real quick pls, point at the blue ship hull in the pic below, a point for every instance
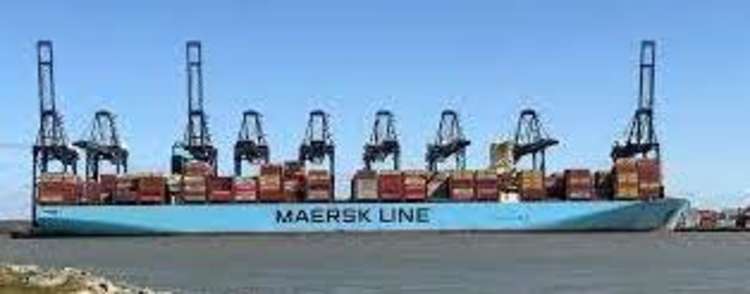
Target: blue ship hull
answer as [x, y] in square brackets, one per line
[358, 217]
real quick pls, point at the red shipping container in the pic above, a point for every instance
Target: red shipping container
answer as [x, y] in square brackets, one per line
[220, 189]
[245, 189]
[415, 185]
[151, 189]
[390, 186]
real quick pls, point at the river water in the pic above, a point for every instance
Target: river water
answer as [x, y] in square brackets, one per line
[411, 263]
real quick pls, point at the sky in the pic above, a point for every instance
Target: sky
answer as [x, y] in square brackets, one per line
[574, 61]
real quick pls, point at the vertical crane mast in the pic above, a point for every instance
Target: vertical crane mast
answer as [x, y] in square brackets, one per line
[197, 142]
[251, 145]
[383, 141]
[641, 136]
[450, 141]
[197, 129]
[51, 142]
[532, 139]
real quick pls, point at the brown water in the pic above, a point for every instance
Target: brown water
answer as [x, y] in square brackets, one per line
[413, 263]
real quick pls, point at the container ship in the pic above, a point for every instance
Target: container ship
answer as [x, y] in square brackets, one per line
[514, 193]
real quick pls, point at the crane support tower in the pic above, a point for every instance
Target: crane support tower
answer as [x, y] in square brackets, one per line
[51, 142]
[532, 139]
[383, 141]
[450, 141]
[196, 144]
[318, 144]
[641, 134]
[103, 144]
[251, 145]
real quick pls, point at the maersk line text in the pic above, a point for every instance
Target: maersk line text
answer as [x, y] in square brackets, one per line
[354, 215]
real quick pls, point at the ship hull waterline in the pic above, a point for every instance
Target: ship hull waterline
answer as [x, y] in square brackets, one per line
[267, 218]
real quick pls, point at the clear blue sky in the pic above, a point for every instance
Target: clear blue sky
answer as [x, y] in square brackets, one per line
[574, 60]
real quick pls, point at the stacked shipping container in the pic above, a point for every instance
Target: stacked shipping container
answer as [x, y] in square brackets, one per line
[245, 189]
[390, 186]
[649, 179]
[461, 185]
[487, 185]
[415, 185]
[270, 186]
[625, 179]
[57, 188]
[531, 185]
[365, 185]
[579, 184]
[319, 186]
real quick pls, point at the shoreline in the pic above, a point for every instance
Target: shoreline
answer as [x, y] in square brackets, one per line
[35, 279]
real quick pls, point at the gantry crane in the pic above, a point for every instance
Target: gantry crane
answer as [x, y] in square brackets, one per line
[196, 144]
[103, 144]
[251, 145]
[318, 144]
[532, 139]
[450, 141]
[51, 142]
[641, 135]
[383, 141]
